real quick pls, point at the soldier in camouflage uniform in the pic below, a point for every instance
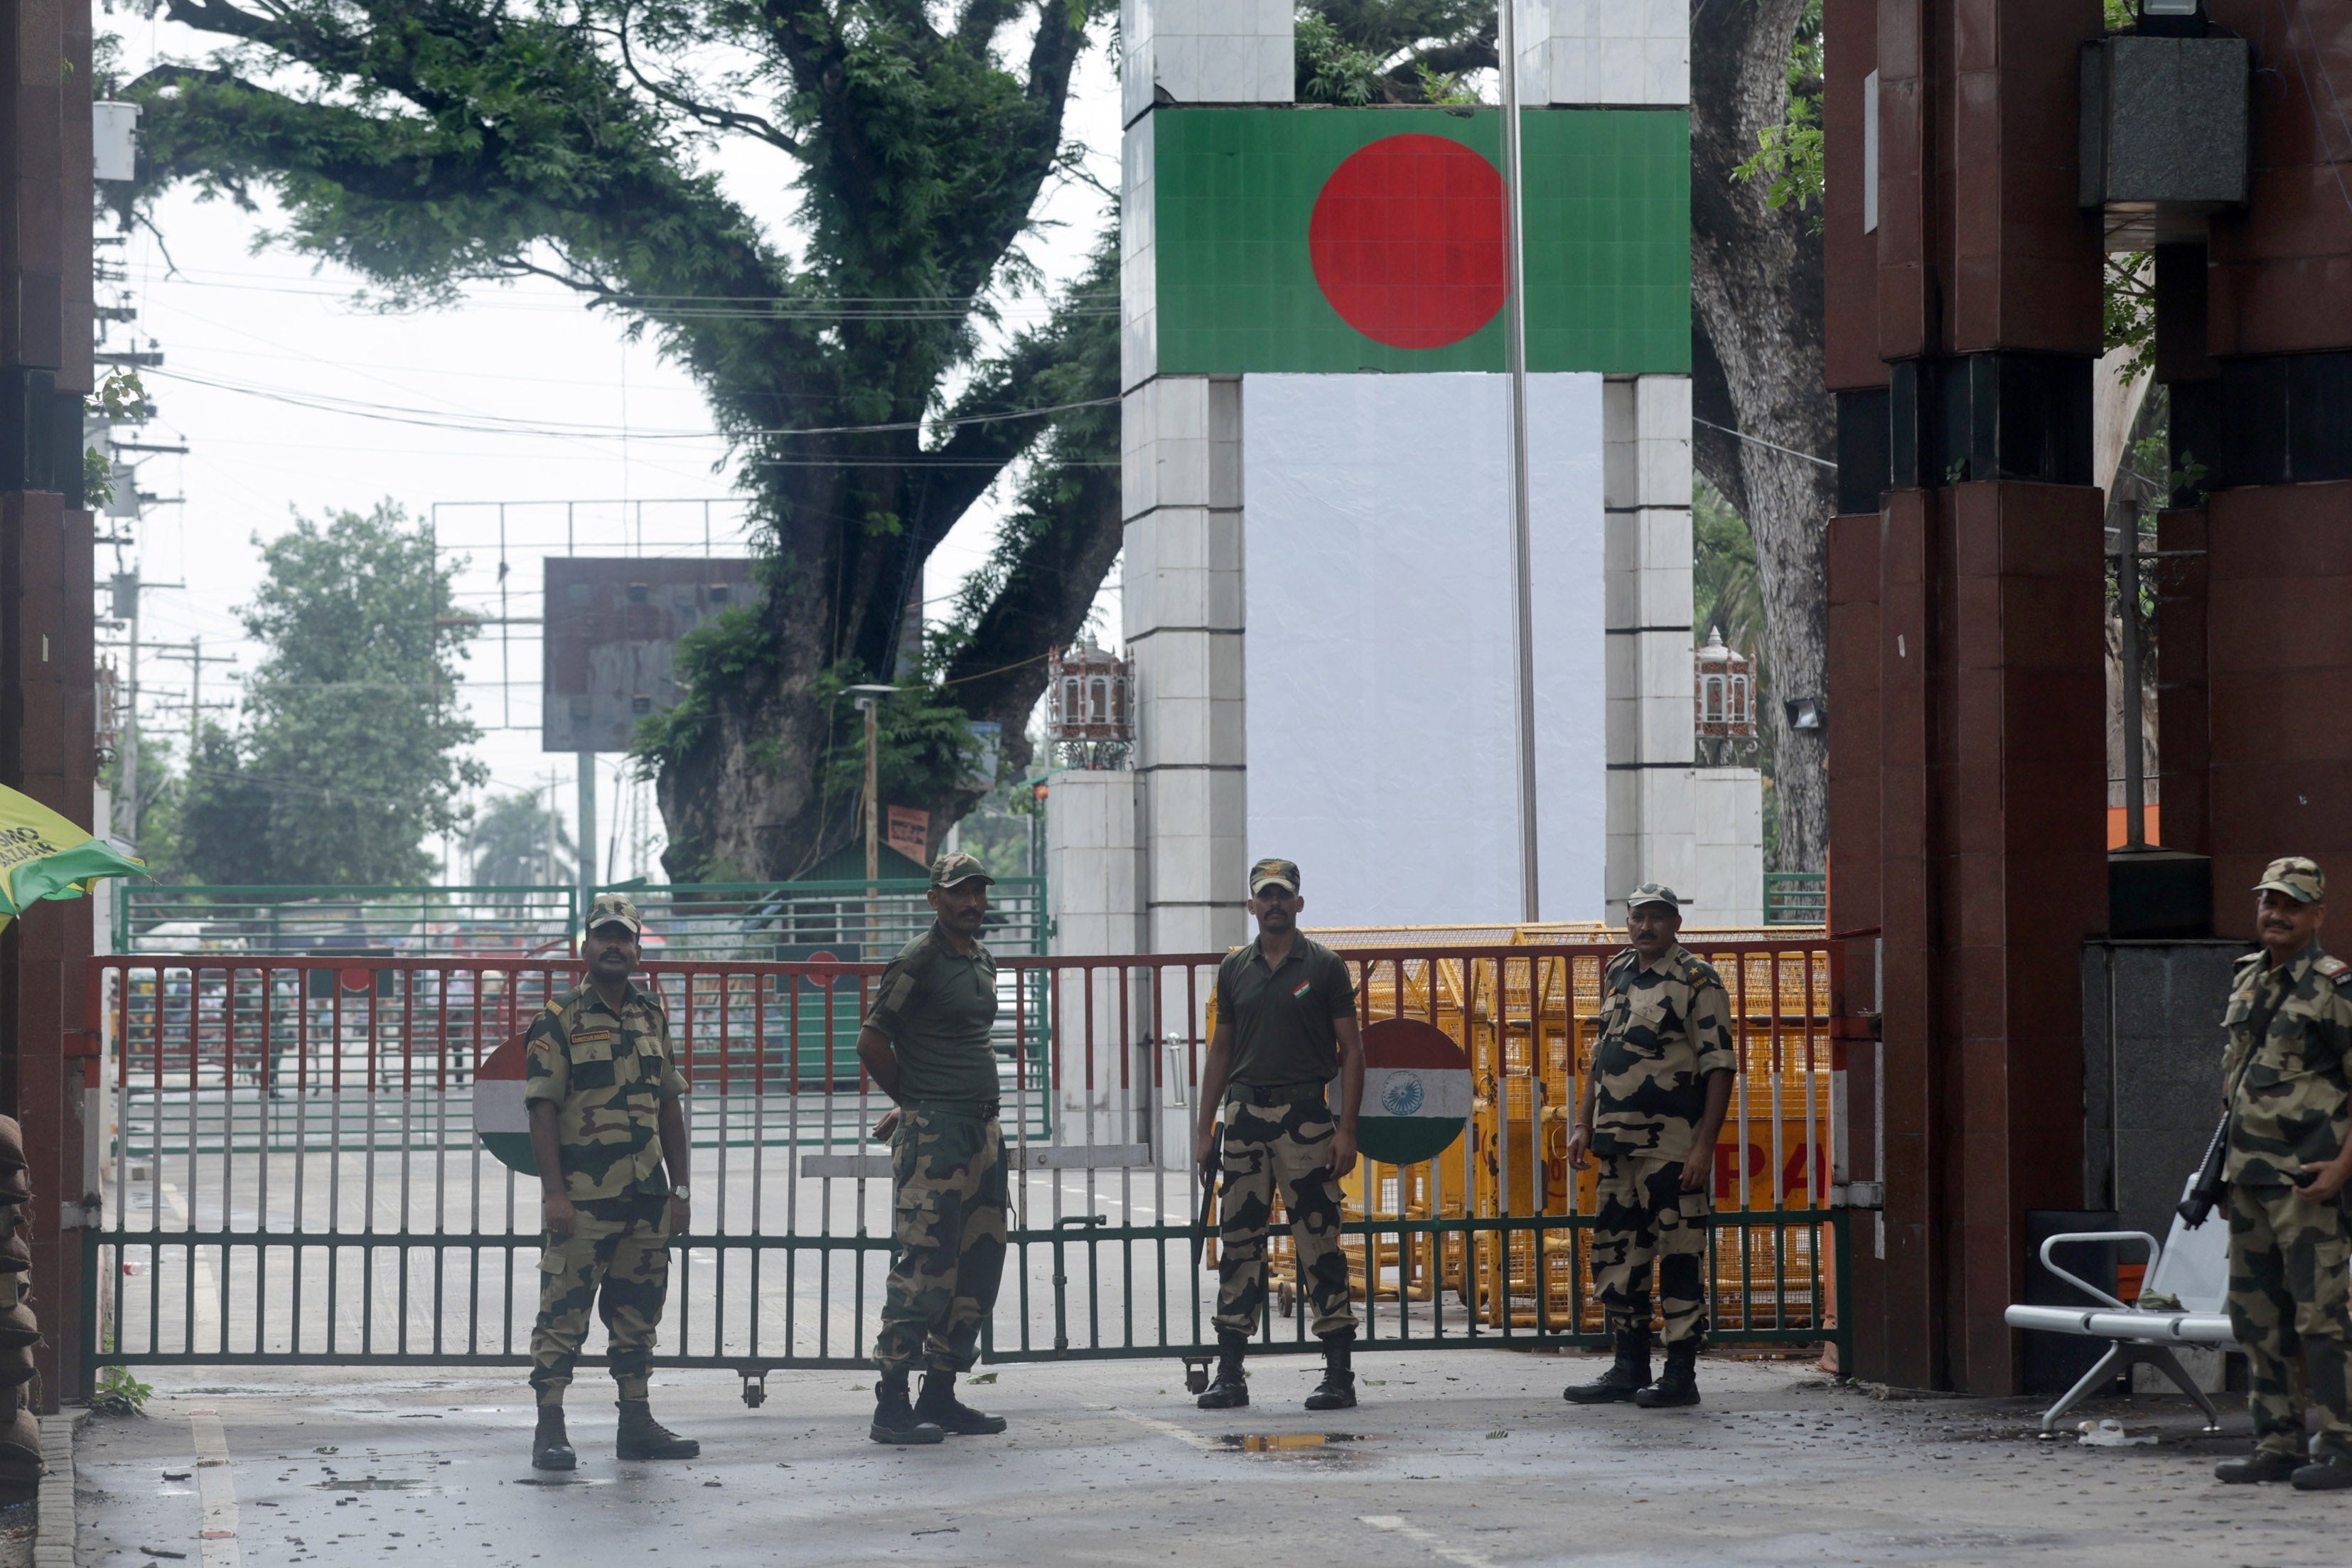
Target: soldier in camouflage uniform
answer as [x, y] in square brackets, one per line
[2290, 1025]
[926, 1043]
[1285, 1028]
[605, 1120]
[1653, 1101]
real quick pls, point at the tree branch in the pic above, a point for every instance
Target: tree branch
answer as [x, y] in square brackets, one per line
[717, 118]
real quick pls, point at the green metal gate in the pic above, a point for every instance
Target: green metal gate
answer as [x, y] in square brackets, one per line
[293, 1176]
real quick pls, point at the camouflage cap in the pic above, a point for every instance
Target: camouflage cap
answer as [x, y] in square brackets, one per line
[2297, 876]
[611, 909]
[1653, 893]
[1265, 874]
[948, 870]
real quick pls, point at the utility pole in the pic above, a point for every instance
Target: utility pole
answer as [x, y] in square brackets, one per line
[1515, 338]
[587, 858]
[870, 703]
[197, 658]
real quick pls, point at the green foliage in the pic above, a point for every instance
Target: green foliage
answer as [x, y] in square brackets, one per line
[1332, 70]
[1789, 157]
[2122, 14]
[1355, 52]
[2129, 309]
[518, 842]
[350, 752]
[922, 737]
[1726, 594]
[119, 1393]
[120, 398]
[1001, 831]
[711, 663]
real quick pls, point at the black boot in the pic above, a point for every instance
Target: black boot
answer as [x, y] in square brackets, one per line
[643, 1437]
[1228, 1390]
[550, 1448]
[1337, 1389]
[940, 1407]
[2328, 1472]
[2261, 1465]
[1678, 1384]
[894, 1416]
[1627, 1376]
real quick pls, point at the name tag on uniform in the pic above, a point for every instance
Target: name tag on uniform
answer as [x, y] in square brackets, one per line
[590, 1036]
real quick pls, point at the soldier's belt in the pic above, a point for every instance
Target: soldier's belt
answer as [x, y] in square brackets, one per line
[979, 1110]
[1279, 1094]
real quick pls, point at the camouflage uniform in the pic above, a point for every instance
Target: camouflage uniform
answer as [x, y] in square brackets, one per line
[949, 1187]
[2288, 1284]
[1663, 1029]
[608, 1074]
[1278, 1129]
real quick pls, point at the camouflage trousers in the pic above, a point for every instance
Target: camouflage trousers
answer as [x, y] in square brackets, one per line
[617, 1260]
[947, 1199]
[1644, 1219]
[2288, 1298]
[1267, 1145]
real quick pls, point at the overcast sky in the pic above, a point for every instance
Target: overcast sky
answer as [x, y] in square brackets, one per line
[293, 398]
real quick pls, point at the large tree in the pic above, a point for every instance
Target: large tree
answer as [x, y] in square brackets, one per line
[426, 144]
[352, 749]
[1757, 360]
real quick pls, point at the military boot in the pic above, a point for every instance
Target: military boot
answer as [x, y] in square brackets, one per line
[1678, 1384]
[1230, 1389]
[643, 1437]
[2261, 1465]
[894, 1416]
[940, 1407]
[1337, 1389]
[2328, 1472]
[550, 1448]
[1627, 1376]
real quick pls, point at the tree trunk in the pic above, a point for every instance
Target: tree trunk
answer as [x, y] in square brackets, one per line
[1757, 287]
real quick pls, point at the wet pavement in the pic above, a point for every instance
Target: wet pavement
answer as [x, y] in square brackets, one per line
[1464, 1457]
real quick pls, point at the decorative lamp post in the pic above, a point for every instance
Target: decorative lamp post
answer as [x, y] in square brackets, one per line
[1090, 707]
[1726, 705]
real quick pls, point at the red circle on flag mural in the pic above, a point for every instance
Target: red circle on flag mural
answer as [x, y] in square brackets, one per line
[1407, 241]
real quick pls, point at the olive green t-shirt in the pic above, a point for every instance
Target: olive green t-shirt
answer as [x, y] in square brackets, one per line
[938, 1006]
[1283, 1018]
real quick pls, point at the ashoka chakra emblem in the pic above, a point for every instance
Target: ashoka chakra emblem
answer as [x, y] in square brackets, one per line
[1404, 1095]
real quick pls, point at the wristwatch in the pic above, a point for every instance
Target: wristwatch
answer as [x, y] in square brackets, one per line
[681, 1194]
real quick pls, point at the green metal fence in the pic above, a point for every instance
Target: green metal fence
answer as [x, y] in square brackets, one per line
[1796, 898]
[293, 1173]
[779, 922]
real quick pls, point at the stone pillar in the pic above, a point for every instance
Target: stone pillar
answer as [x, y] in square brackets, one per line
[1182, 489]
[1635, 54]
[1651, 720]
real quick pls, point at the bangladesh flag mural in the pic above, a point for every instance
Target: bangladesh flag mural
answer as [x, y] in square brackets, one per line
[1337, 241]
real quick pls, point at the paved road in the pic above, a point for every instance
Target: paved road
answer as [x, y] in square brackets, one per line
[1467, 1458]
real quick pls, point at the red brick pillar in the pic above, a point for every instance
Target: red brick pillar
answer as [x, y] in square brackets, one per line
[46, 712]
[1967, 750]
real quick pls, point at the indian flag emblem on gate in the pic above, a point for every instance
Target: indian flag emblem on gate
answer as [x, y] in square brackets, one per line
[1416, 1092]
[500, 1120]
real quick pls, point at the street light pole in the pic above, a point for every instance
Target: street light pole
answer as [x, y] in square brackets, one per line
[1515, 338]
[870, 703]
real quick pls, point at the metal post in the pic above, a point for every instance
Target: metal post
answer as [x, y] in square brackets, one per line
[130, 813]
[1523, 633]
[2127, 615]
[873, 800]
[195, 697]
[586, 860]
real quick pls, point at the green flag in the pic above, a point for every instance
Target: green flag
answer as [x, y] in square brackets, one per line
[44, 856]
[1319, 240]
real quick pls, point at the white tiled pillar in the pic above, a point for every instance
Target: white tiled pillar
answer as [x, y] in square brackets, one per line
[1605, 53]
[1727, 852]
[1094, 868]
[1181, 487]
[1646, 551]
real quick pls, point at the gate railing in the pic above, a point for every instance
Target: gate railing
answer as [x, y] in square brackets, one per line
[717, 921]
[293, 1173]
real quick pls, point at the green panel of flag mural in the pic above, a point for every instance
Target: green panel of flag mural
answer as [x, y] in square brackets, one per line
[1371, 239]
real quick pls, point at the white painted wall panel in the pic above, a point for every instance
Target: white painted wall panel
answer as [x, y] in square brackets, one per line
[1379, 720]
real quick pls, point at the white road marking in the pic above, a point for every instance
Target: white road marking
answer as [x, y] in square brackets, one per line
[1167, 1429]
[216, 1492]
[1430, 1539]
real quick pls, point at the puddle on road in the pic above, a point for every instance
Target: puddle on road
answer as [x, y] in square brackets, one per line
[563, 1480]
[368, 1484]
[1295, 1445]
